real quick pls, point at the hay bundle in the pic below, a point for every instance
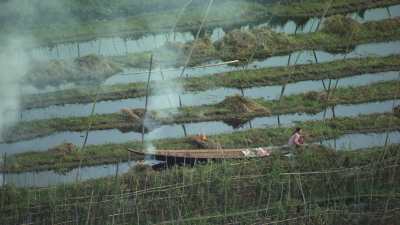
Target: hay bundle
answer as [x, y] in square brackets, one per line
[203, 142]
[239, 104]
[268, 39]
[63, 149]
[82, 70]
[315, 96]
[54, 73]
[95, 64]
[203, 49]
[396, 111]
[237, 45]
[132, 115]
[341, 25]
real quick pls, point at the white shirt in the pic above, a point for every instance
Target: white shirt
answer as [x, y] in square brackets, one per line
[294, 139]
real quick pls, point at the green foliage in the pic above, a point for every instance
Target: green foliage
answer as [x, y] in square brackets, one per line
[341, 26]
[234, 108]
[329, 187]
[236, 79]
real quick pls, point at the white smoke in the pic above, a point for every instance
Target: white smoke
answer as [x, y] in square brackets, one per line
[165, 101]
[14, 64]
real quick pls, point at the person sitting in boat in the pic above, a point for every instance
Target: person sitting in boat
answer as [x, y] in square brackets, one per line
[296, 139]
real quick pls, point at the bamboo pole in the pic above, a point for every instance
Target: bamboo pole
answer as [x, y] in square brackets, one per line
[324, 14]
[194, 67]
[88, 129]
[391, 119]
[78, 49]
[197, 37]
[90, 207]
[4, 167]
[147, 96]
[173, 30]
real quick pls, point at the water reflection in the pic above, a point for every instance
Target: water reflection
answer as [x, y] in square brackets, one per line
[360, 141]
[47, 178]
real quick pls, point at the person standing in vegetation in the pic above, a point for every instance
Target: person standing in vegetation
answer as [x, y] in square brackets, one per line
[296, 139]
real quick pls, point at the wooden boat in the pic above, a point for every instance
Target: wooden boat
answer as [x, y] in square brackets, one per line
[193, 155]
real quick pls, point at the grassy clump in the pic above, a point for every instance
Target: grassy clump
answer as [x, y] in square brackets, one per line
[135, 60]
[243, 45]
[63, 149]
[178, 53]
[341, 26]
[132, 115]
[203, 50]
[238, 104]
[39, 128]
[269, 40]
[339, 35]
[237, 43]
[82, 70]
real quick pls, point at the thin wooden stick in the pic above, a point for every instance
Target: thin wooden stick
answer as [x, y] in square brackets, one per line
[197, 37]
[4, 168]
[147, 96]
[90, 207]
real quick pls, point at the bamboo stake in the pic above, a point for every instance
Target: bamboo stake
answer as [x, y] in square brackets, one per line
[391, 118]
[179, 17]
[194, 67]
[88, 129]
[4, 168]
[78, 49]
[388, 12]
[99, 48]
[90, 206]
[147, 96]
[324, 14]
[197, 37]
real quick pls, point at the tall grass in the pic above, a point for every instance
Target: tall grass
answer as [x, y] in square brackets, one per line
[315, 186]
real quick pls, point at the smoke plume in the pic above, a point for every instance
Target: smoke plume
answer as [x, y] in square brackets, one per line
[14, 65]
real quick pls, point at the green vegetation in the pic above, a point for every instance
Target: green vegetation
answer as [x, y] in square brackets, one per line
[69, 21]
[82, 70]
[310, 102]
[311, 185]
[262, 42]
[39, 128]
[234, 108]
[134, 60]
[316, 186]
[242, 45]
[237, 79]
[291, 74]
[341, 25]
[113, 153]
